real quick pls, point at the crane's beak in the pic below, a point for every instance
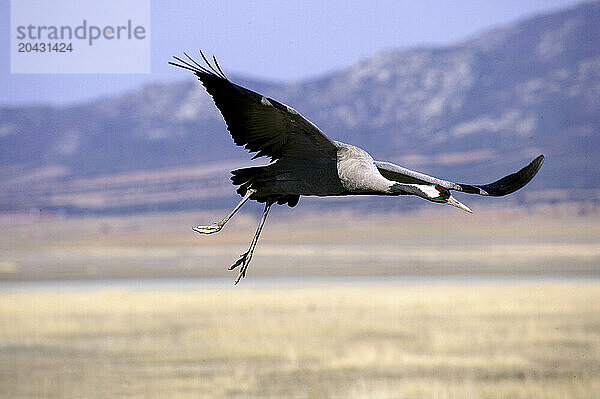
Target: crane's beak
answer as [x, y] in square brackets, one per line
[454, 202]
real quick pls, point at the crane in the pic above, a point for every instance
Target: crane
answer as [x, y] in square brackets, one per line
[304, 161]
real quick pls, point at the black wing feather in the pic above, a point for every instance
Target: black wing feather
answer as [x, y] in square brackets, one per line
[508, 184]
[258, 123]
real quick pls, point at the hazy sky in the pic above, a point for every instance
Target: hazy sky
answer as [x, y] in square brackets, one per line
[276, 40]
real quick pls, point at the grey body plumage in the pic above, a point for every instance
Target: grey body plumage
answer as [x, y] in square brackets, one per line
[307, 162]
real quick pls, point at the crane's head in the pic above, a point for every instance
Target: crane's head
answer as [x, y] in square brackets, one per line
[442, 195]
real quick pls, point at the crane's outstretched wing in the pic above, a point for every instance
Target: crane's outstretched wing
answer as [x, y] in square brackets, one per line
[258, 123]
[506, 185]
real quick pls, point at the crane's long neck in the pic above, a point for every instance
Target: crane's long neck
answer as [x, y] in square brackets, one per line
[359, 175]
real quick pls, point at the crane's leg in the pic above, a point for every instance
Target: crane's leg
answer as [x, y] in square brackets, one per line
[216, 226]
[245, 258]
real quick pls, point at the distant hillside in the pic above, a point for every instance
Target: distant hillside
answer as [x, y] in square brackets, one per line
[470, 112]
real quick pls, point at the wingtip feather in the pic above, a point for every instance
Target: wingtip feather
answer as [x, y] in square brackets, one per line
[508, 184]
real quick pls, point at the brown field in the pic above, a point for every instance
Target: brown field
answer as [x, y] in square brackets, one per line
[558, 240]
[430, 338]
[526, 340]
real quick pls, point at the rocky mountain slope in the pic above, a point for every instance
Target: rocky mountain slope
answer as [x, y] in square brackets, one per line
[470, 112]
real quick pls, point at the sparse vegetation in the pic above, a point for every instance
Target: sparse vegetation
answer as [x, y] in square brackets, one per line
[531, 340]
[539, 338]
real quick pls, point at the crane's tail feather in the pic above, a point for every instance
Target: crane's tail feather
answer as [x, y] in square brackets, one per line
[246, 177]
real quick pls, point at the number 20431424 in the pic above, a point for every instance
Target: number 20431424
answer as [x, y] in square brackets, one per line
[43, 47]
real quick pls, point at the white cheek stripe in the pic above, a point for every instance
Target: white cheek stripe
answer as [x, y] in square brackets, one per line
[422, 190]
[431, 192]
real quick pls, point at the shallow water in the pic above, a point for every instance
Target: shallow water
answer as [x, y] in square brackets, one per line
[183, 283]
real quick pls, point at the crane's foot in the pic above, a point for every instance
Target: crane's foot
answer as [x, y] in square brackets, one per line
[243, 261]
[213, 228]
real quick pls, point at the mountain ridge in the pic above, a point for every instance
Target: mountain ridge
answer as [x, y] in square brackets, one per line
[472, 112]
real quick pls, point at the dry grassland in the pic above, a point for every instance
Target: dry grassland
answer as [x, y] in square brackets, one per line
[450, 340]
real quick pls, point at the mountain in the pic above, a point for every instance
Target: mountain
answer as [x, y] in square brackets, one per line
[471, 112]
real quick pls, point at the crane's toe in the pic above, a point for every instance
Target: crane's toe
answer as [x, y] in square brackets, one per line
[243, 261]
[213, 228]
